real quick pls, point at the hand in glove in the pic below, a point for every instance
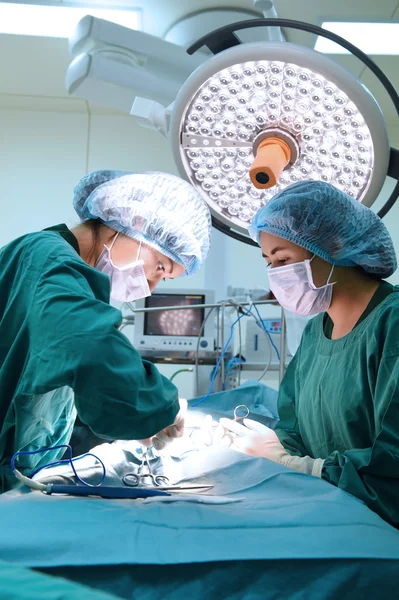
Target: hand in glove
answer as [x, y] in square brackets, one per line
[258, 440]
[167, 435]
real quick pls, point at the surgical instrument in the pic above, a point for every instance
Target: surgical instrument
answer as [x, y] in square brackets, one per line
[241, 407]
[167, 488]
[242, 417]
[136, 479]
[160, 482]
[103, 491]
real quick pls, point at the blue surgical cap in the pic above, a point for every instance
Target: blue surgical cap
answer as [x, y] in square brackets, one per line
[330, 224]
[158, 209]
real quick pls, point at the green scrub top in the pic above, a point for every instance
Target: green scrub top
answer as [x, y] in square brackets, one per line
[61, 352]
[339, 400]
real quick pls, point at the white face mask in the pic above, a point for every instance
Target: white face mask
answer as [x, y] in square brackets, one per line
[128, 283]
[294, 289]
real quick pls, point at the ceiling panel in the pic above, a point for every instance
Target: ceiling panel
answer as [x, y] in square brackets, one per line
[158, 15]
[317, 11]
[344, 9]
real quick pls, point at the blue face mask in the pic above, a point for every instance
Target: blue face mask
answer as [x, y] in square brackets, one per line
[295, 290]
[128, 283]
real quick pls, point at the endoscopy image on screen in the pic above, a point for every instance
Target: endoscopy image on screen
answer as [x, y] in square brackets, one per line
[185, 323]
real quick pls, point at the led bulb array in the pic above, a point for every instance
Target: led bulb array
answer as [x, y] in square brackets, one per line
[237, 103]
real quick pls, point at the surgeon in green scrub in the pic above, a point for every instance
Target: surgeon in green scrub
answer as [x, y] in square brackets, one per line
[61, 353]
[328, 255]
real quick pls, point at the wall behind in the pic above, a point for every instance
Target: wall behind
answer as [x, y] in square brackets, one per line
[44, 154]
[392, 218]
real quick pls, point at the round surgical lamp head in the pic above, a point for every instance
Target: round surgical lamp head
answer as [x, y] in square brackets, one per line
[258, 117]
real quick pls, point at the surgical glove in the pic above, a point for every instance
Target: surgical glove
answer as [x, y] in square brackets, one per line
[176, 430]
[258, 440]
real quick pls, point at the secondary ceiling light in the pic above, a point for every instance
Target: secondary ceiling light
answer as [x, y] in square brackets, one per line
[57, 21]
[371, 38]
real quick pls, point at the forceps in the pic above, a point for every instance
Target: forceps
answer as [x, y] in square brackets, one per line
[241, 407]
[216, 432]
[136, 479]
[236, 415]
[158, 481]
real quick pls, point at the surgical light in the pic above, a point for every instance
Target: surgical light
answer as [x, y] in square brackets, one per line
[258, 117]
[302, 118]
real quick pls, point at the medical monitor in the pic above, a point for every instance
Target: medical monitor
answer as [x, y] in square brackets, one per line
[174, 330]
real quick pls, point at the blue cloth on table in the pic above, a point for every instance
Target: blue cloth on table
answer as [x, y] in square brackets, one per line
[17, 583]
[260, 399]
[333, 579]
[284, 515]
[327, 539]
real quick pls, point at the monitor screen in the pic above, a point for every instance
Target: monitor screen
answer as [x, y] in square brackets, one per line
[185, 323]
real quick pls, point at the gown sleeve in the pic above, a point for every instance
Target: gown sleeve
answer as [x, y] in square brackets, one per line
[372, 474]
[74, 341]
[287, 428]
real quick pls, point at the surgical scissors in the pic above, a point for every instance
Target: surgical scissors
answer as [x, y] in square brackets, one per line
[136, 479]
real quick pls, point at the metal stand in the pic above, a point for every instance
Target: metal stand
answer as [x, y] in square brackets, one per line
[221, 308]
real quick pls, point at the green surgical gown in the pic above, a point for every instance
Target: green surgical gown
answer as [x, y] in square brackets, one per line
[339, 400]
[61, 352]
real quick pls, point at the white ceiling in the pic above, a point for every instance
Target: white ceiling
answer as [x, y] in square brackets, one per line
[32, 69]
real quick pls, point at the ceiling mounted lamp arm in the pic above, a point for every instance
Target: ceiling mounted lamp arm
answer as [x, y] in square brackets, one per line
[225, 37]
[112, 64]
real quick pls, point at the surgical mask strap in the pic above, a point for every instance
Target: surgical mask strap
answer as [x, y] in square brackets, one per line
[331, 272]
[113, 242]
[330, 275]
[138, 254]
